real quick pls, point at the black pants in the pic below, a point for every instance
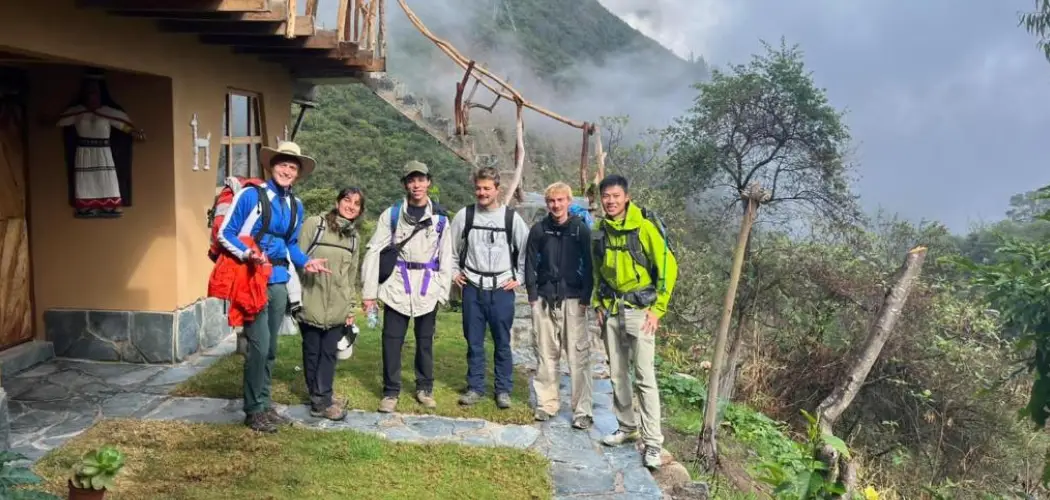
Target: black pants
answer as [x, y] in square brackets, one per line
[395, 327]
[319, 348]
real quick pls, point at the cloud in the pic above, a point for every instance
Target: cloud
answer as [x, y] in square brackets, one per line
[947, 104]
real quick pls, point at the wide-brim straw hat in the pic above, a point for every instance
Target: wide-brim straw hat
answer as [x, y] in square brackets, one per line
[288, 148]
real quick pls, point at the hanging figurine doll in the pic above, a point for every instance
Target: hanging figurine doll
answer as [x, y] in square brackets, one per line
[98, 136]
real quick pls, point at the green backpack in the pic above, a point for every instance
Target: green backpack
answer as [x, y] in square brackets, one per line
[634, 246]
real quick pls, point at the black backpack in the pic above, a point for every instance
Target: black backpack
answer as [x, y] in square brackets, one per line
[508, 228]
[634, 246]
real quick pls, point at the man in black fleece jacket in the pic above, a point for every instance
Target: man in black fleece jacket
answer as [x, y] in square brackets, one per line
[559, 280]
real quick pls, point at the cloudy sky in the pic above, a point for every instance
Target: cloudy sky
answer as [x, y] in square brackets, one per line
[948, 101]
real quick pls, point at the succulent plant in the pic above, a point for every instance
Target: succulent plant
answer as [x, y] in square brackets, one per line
[98, 468]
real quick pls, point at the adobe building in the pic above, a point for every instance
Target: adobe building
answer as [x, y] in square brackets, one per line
[119, 120]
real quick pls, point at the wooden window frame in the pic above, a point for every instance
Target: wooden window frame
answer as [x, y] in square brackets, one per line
[255, 139]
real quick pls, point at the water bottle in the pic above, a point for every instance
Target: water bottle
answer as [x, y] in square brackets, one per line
[373, 317]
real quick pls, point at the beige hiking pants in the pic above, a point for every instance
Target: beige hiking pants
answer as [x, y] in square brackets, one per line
[557, 328]
[627, 345]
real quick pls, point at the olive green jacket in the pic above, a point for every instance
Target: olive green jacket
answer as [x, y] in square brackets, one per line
[329, 298]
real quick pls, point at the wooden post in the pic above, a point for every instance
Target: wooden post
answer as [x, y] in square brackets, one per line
[707, 449]
[311, 9]
[584, 154]
[342, 20]
[289, 29]
[519, 156]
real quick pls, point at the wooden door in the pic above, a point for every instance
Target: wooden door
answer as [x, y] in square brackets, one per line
[16, 310]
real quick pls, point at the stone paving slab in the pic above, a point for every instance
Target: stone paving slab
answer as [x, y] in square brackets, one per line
[53, 402]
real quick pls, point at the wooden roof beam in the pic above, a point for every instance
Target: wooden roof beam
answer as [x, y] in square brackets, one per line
[304, 26]
[320, 40]
[179, 5]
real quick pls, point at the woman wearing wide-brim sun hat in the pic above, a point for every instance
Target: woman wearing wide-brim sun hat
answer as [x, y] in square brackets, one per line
[278, 248]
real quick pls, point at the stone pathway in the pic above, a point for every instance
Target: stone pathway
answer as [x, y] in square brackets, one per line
[53, 402]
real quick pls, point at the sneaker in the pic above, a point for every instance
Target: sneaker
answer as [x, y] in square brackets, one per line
[259, 423]
[469, 398]
[541, 416]
[620, 437]
[651, 458]
[388, 404]
[583, 422]
[276, 418]
[503, 400]
[426, 399]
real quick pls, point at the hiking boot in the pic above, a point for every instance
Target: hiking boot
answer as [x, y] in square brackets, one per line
[583, 422]
[388, 404]
[469, 398]
[620, 437]
[426, 399]
[651, 458]
[503, 400]
[259, 423]
[335, 411]
[541, 416]
[276, 418]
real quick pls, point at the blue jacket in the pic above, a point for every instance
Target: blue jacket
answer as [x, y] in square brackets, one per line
[245, 218]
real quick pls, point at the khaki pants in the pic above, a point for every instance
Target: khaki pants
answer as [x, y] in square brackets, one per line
[564, 326]
[627, 345]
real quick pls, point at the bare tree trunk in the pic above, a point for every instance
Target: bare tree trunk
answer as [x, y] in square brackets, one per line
[707, 449]
[519, 158]
[842, 396]
[748, 296]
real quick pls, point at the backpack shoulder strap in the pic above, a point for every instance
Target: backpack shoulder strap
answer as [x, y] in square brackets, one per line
[294, 202]
[467, 226]
[508, 227]
[264, 209]
[395, 212]
[318, 233]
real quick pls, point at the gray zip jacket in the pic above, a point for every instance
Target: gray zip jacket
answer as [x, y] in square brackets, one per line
[487, 251]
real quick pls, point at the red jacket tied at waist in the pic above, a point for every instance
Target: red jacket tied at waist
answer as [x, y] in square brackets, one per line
[243, 284]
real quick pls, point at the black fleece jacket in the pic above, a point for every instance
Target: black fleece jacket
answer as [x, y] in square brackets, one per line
[558, 260]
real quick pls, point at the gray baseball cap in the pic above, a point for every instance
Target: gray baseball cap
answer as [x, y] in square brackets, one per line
[414, 167]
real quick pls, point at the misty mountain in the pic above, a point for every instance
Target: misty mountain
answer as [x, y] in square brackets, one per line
[575, 58]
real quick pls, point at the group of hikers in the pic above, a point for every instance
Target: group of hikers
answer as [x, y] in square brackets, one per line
[622, 268]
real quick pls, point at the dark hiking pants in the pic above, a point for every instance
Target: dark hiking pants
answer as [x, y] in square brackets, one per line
[319, 359]
[395, 327]
[494, 309]
[262, 349]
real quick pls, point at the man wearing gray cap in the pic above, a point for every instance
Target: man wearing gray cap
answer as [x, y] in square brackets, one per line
[408, 268]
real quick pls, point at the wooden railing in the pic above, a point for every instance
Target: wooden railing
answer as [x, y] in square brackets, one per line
[358, 21]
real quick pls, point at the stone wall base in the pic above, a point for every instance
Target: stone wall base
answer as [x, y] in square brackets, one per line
[137, 336]
[5, 422]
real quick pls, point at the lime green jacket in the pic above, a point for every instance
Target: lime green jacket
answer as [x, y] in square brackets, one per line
[621, 271]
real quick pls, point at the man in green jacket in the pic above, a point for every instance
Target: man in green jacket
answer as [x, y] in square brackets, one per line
[634, 275]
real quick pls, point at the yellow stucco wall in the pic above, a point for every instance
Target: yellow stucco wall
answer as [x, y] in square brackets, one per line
[153, 258]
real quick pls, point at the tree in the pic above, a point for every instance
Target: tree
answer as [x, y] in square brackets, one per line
[1037, 22]
[764, 122]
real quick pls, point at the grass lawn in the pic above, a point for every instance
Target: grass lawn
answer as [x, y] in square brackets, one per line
[171, 460]
[360, 378]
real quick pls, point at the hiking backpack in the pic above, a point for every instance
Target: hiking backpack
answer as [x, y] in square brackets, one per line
[634, 246]
[582, 212]
[222, 205]
[508, 228]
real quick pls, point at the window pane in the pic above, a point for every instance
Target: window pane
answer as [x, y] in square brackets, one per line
[255, 152]
[255, 127]
[224, 166]
[239, 103]
[226, 115]
[240, 160]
